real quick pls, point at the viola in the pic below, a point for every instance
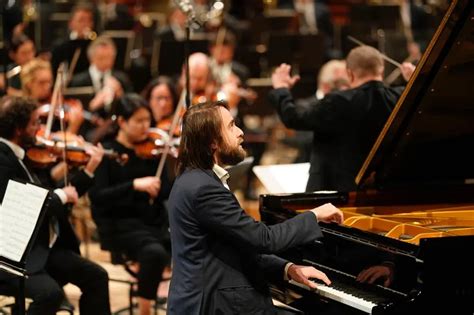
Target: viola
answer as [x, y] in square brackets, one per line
[47, 152]
[155, 143]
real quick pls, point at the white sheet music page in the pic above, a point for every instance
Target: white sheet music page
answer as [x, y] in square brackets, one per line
[19, 214]
[283, 178]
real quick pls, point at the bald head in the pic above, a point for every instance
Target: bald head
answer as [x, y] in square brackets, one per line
[198, 72]
[332, 76]
[365, 62]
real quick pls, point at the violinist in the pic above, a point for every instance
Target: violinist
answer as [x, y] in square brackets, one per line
[128, 223]
[107, 82]
[37, 79]
[202, 85]
[55, 258]
[161, 95]
[21, 50]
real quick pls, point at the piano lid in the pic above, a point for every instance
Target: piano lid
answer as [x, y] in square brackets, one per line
[428, 140]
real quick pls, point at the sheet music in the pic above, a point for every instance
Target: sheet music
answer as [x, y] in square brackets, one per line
[283, 178]
[19, 214]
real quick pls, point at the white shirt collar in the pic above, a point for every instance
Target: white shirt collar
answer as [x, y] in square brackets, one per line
[222, 174]
[95, 76]
[17, 150]
[319, 94]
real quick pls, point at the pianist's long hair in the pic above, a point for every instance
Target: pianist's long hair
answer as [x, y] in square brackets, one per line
[201, 128]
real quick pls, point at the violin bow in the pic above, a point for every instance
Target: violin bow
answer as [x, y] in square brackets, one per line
[73, 65]
[166, 149]
[54, 101]
[61, 124]
[220, 37]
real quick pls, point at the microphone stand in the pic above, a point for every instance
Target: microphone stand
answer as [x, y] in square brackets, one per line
[187, 98]
[187, 101]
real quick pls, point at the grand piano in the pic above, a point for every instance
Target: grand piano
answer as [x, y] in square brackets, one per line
[406, 245]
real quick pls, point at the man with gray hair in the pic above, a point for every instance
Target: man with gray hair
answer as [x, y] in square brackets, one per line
[106, 82]
[345, 123]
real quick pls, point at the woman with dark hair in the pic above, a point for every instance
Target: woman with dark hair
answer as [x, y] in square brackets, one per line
[162, 97]
[21, 51]
[127, 201]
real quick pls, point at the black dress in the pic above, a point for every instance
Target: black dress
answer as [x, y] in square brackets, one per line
[126, 219]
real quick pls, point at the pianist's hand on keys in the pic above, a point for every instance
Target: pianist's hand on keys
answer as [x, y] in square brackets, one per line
[302, 274]
[327, 213]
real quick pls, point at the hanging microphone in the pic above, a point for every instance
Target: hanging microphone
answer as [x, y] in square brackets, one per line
[216, 10]
[186, 7]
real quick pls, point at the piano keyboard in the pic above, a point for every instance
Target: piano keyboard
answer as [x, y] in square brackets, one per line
[346, 290]
[340, 296]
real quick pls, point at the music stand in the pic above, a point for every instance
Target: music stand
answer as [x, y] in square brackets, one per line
[170, 54]
[83, 93]
[124, 41]
[366, 19]
[17, 267]
[310, 53]
[281, 48]
[281, 19]
[260, 106]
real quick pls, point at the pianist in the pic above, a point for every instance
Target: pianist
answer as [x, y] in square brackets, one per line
[221, 261]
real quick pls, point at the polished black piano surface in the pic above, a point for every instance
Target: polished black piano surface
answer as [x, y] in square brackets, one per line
[407, 241]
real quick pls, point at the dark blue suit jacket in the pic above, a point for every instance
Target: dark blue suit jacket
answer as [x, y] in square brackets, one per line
[221, 261]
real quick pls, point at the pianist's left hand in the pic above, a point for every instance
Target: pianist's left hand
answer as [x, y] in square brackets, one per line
[302, 274]
[378, 273]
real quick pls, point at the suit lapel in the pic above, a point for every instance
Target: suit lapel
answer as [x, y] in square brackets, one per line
[20, 170]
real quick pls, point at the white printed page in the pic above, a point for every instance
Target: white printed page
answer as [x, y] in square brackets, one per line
[19, 214]
[283, 178]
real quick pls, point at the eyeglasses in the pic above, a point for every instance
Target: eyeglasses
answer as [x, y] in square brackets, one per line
[162, 98]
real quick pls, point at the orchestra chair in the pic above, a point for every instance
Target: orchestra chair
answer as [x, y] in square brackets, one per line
[120, 258]
[8, 300]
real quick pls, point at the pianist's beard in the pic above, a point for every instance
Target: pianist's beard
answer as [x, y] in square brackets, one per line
[229, 155]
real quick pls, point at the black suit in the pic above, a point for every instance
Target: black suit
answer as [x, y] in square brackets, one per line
[345, 126]
[50, 268]
[221, 261]
[84, 79]
[322, 14]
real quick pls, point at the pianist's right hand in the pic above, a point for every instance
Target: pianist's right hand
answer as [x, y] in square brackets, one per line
[327, 213]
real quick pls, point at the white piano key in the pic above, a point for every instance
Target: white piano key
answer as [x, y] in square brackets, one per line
[340, 296]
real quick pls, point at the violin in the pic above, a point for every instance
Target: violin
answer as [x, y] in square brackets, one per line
[155, 144]
[203, 97]
[47, 152]
[165, 125]
[70, 106]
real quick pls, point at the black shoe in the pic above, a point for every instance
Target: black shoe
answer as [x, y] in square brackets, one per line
[66, 306]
